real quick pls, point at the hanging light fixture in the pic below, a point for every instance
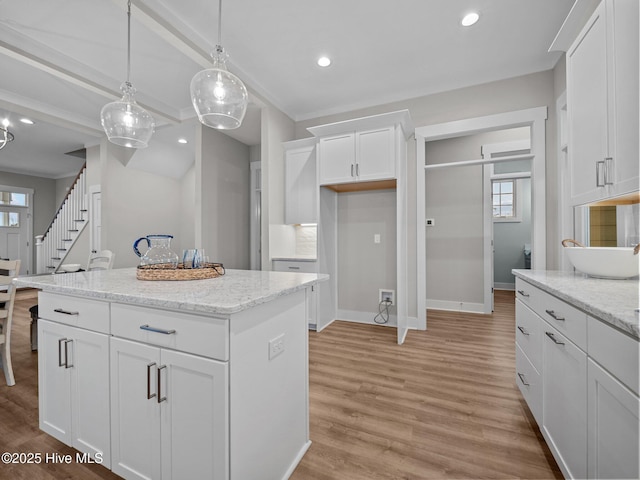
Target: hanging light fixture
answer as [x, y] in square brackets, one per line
[218, 96]
[5, 135]
[124, 121]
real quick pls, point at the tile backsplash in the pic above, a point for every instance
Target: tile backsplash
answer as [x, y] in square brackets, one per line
[306, 240]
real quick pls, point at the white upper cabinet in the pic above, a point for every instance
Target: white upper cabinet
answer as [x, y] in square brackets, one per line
[362, 150]
[602, 104]
[301, 194]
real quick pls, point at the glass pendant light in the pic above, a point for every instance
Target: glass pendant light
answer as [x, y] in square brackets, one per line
[5, 135]
[124, 121]
[218, 96]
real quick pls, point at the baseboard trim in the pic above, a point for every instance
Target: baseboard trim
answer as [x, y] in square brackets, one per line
[454, 306]
[504, 286]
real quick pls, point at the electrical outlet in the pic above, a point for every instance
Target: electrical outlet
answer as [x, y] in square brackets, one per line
[276, 346]
[387, 295]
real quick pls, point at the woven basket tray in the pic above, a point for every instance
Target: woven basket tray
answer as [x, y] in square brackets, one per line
[166, 272]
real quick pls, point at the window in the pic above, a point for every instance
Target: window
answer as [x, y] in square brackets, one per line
[13, 198]
[503, 196]
[10, 219]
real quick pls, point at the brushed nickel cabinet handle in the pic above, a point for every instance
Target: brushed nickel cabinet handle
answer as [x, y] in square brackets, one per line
[160, 397]
[65, 312]
[352, 169]
[552, 337]
[357, 169]
[149, 394]
[294, 268]
[60, 362]
[523, 379]
[608, 174]
[554, 315]
[524, 332]
[157, 330]
[599, 175]
[66, 354]
[523, 293]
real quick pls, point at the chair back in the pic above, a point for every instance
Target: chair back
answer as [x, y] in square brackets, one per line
[9, 269]
[102, 260]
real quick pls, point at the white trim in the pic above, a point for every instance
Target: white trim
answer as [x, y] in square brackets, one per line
[479, 161]
[453, 306]
[532, 117]
[366, 317]
[504, 286]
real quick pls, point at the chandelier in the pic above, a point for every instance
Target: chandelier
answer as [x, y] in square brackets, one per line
[5, 135]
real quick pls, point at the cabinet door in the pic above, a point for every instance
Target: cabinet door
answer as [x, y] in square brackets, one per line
[624, 129]
[375, 155]
[300, 186]
[564, 406]
[194, 417]
[90, 425]
[587, 110]
[612, 427]
[54, 381]
[135, 418]
[337, 158]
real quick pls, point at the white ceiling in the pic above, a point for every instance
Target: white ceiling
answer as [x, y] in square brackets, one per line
[60, 62]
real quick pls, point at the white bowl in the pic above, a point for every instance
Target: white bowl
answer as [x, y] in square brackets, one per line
[605, 262]
[70, 267]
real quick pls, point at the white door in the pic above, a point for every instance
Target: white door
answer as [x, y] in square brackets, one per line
[15, 235]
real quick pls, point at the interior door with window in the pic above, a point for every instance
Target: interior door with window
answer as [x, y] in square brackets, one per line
[15, 228]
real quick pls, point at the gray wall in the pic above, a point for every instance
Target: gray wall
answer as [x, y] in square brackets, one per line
[222, 180]
[364, 267]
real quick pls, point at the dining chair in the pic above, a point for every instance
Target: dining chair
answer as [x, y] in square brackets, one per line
[102, 260]
[11, 269]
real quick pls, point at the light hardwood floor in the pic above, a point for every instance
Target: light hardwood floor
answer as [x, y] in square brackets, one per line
[444, 405]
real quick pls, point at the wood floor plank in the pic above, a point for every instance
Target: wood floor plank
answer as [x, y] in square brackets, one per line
[444, 405]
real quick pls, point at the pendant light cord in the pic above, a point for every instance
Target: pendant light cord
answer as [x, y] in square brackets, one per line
[128, 41]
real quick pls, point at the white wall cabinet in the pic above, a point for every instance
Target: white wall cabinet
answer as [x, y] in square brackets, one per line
[602, 104]
[169, 413]
[73, 387]
[588, 385]
[367, 155]
[301, 191]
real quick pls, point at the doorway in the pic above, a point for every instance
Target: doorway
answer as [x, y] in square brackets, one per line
[534, 118]
[16, 225]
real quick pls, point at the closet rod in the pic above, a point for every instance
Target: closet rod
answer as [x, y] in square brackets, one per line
[480, 161]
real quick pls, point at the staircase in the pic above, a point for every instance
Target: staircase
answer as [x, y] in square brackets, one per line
[69, 221]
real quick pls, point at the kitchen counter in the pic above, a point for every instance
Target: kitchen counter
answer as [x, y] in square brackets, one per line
[231, 293]
[614, 302]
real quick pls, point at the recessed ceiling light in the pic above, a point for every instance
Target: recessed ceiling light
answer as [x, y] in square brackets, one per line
[27, 121]
[182, 140]
[324, 61]
[469, 19]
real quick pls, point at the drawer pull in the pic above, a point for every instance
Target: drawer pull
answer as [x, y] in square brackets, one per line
[149, 394]
[294, 268]
[523, 293]
[66, 312]
[523, 379]
[160, 397]
[553, 315]
[552, 337]
[524, 332]
[157, 330]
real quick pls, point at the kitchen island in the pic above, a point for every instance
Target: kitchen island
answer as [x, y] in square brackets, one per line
[176, 379]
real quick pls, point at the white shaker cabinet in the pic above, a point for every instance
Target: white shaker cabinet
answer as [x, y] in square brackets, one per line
[73, 387]
[301, 190]
[602, 104]
[169, 413]
[367, 155]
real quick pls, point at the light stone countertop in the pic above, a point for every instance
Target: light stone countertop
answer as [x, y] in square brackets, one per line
[615, 302]
[233, 292]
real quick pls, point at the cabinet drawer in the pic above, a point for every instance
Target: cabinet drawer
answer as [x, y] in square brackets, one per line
[528, 334]
[293, 266]
[206, 336]
[570, 321]
[76, 311]
[529, 382]
[526, 293]
[615, 351]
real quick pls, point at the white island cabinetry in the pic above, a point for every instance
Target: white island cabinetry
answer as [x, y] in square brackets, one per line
[175, 381]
